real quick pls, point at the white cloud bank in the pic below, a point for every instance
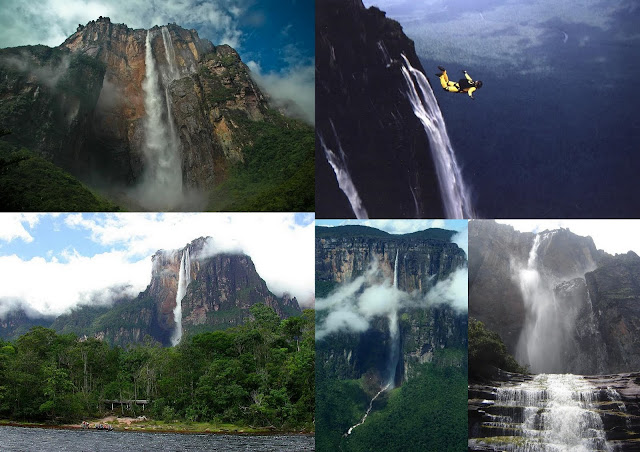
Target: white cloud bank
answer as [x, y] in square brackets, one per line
[353, 305]
[292, 89]
[281, 249]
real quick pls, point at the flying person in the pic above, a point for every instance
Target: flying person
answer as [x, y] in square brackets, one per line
[464, 85]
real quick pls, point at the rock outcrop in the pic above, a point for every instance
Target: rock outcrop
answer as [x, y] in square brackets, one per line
[424, 258]
[363, 111]
[596, 295]
[81, 104]
[615, 398]
[222, 288]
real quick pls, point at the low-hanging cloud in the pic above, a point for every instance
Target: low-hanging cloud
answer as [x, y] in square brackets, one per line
[291, 89]
[53, 287]
[353, 305]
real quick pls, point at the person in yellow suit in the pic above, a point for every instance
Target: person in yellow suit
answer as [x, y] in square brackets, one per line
[464, 85]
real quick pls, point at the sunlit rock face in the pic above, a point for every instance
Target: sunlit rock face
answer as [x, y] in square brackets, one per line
[83, 105]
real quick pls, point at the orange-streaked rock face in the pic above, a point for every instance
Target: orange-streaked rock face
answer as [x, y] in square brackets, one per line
[207, 87]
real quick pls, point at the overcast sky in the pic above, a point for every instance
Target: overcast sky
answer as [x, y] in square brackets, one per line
[52, 262]
[275, 38]
[612, 236]
[513, 35]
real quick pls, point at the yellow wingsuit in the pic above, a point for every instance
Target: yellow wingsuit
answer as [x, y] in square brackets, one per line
[465, 85]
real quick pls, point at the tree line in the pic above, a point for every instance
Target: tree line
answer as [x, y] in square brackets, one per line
[259, 374]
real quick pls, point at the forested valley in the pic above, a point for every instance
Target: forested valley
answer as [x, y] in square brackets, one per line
[259, 374]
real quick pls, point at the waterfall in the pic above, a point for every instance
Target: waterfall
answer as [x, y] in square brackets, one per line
[544, 333]
[550, 413]
[162, 182]
[394, 337]
[338, 162]
[173, 72]
[364, 418]
[184, 278]
[455, 196]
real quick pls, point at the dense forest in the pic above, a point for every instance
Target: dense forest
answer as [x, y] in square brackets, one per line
[487, 353]
[258, 374]
[433, 402]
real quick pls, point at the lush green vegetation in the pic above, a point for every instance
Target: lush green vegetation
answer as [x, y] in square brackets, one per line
[260, 374]
[487, 351]
[31, 183]
[278, 172]
[426, 413]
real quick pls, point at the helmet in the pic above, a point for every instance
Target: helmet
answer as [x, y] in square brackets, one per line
[479, 84]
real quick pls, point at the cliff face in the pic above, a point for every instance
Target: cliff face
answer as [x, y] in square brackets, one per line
[344, 253]
[615, 294]
[82, 104]
[595, 295]
[364, 112]
[347, 252]
[221, 288]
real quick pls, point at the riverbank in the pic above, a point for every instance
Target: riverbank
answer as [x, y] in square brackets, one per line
[143, 424]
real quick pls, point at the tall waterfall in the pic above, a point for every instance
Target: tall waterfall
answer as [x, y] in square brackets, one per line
[184, 278]
[455, 195]
[550, 413]
[162, 182]
[338, 162]
[545, 332]
[394, 337]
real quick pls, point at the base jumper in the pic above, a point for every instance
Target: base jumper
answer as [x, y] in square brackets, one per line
[464, 85]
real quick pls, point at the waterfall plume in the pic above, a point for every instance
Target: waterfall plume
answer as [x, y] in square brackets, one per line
[394, 337]
[162, 181]
[544, 334]
[455, 196]
[184, 278]
[338, 161]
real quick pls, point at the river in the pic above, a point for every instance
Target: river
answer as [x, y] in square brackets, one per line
[52, 440]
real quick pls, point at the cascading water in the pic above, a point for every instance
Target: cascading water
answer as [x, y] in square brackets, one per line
[455, 196]
[184, 278]
[364, 418]
[338, 162]
[162, 182]
[394, 337]
[549, 413]
[544, 333]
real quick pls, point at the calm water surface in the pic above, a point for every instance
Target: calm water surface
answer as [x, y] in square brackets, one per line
[37, 439]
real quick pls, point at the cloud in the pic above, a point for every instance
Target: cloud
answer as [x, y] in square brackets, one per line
[281, 249]
[116, 260]
[14, 226]
[352, 306]
[50, 22]
[52, 287]
[291, 88]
